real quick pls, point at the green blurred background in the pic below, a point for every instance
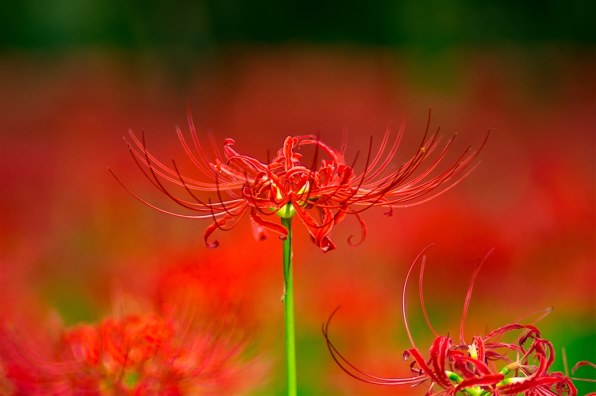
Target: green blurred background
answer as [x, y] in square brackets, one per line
[188, 32]
[201, 26]
[76, 74]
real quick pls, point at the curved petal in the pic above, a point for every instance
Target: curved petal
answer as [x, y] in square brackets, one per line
[268, 225]
[222, 225]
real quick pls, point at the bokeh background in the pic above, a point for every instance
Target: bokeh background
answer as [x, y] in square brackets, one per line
[75, 76]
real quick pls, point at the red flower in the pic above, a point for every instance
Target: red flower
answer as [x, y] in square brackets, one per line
[480, 367]
[321, 195]
[148, 354]
[180, 347]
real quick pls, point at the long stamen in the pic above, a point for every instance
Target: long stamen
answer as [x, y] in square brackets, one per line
[421, 295]
[147, 203]
[208, 165]
[469, 296]
[354, 372]
[403, 294]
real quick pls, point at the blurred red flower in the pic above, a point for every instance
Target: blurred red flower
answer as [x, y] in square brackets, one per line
[148, 354]
[190, 340]
[287, 186]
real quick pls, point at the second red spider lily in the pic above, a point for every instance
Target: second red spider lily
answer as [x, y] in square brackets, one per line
[321, 193]
[483, 366]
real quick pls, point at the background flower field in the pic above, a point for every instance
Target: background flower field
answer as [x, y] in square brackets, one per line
[73, 243]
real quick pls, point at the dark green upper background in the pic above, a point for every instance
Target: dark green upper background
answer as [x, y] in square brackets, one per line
[429, 25]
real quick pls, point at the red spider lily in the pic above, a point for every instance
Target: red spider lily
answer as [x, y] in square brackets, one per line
[321, 196]
[135, 355]
[142, 354]
[485, 366]
[147, 353]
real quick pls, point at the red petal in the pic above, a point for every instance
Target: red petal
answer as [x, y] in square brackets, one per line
[263, 224]
[220, 224]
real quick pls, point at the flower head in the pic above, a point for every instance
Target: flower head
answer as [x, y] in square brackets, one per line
[189, 340]
[137, 354]
[321, 193]
[485, 365]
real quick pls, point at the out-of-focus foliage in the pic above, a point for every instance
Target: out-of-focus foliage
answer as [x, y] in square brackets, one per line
[200, 25]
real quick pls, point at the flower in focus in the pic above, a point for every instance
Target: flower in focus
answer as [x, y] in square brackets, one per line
[321, 193]
[485, 365]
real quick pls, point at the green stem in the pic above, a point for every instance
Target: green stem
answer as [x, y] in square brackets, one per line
[288, 300]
